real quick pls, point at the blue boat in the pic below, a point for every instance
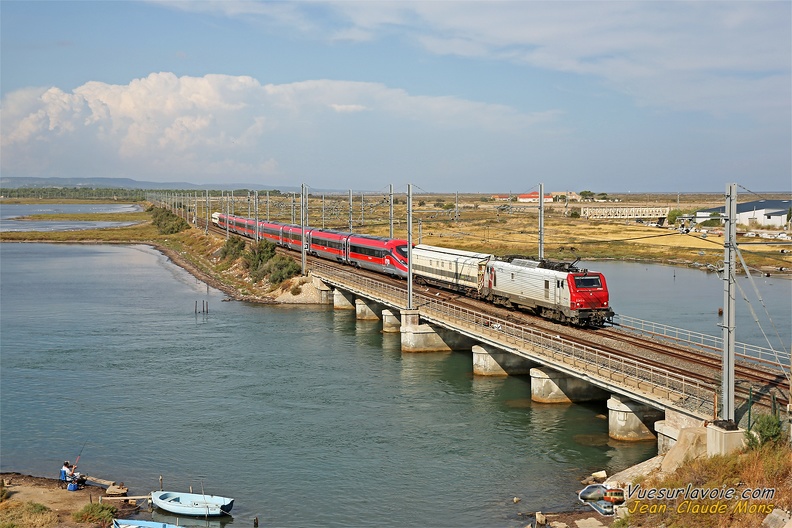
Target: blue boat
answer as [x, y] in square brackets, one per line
[134, 523]
[196, 504]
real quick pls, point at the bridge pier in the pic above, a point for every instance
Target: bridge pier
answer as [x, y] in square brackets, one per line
[391, 322]
[325, 292]
[490, 361]
[367, 310]
[417, 337]
[343, 300]
[551, 386]
[669, 429]
[631, 421]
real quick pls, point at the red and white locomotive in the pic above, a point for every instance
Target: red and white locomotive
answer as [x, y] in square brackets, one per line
[383, 255]
[557, 291]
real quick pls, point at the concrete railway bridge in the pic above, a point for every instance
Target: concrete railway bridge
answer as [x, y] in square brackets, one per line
[644, 402]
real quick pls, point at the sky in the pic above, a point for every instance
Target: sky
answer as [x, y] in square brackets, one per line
[450, 96]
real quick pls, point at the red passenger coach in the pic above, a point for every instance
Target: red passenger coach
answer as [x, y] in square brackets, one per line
[383, 255]
[328, 244]
[292, 237]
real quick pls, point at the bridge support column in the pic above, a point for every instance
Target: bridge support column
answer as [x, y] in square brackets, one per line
[551, 386]
[631, 421]
[391, 323]
[325, 292]
[669, 429]
[489, 361]
[366, 311]
[343, 300]
[416, 337]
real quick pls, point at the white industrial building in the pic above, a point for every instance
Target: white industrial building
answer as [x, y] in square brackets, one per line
[764, 213]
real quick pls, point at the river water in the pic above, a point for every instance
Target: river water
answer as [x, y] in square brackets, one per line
[9, 214]
[304, 415]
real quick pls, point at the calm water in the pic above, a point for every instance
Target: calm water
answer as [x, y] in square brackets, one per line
[305, 416]
[9, 213]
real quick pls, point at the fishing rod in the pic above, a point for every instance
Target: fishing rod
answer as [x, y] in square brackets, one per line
[80, 454]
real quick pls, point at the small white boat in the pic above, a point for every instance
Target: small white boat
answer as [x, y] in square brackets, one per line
[196, 504]
[134, 523]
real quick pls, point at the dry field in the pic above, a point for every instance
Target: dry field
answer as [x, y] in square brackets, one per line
[483, 225]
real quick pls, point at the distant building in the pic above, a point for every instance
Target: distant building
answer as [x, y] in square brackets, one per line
[533, 197]
[501, 197]
[770, 213]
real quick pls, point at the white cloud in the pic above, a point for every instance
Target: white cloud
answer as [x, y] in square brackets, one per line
[202, 128]
[724, 58]
[348, 108]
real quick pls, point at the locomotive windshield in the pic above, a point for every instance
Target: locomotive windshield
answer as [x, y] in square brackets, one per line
[401, 251]
[588, 281]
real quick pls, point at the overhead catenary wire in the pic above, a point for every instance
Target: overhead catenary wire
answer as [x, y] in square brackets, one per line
[767, 312]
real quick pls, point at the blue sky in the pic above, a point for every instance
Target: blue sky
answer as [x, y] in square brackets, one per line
[450, 96]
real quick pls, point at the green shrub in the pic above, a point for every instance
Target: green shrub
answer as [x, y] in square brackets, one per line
[766, 429]
[167, 223]
[258, 254]
[279, 268]
[100, 513]
[232, 248]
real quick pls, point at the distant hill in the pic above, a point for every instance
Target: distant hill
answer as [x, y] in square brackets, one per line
[128, 183]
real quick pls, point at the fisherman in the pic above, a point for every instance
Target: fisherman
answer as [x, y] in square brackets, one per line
[70, 475]
[68, 470]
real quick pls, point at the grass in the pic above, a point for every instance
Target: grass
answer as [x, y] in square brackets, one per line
[15, 514]
[767, 468]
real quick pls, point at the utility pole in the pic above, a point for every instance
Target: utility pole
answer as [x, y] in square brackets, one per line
[303, 222]
[350, 210]
[257, 217]
[390, 215]
[541, 221]
[409, 249]
[729, 296]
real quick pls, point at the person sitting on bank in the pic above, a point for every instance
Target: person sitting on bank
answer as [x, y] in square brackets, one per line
[69, 475]
[67, 471]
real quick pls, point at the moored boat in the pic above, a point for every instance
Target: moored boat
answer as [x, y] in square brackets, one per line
[135, 523]
[196, 504]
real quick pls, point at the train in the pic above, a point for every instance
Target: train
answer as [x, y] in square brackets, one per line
[557, 291]
[380, 254]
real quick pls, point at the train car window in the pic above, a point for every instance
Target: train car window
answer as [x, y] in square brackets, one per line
[370, 252]
[588, 281]
[547, 285]
[512, 276]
